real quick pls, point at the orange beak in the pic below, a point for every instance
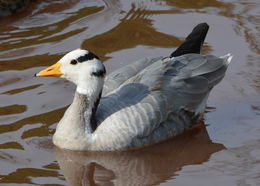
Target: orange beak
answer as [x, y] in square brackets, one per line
[53, 70]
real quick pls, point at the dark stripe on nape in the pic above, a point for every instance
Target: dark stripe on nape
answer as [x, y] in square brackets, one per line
[86, 57]
[93, 121]
[99, 73]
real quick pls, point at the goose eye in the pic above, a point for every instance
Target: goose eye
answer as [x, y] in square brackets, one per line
[73, 62]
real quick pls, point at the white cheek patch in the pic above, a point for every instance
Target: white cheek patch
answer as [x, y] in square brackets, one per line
[68, 73]
[84, 90]
[90, 86]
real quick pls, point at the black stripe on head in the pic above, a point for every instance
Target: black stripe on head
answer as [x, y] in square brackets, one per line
[86, 57]
[99, 73]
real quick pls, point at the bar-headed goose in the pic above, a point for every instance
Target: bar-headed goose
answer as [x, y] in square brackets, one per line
[142, 103]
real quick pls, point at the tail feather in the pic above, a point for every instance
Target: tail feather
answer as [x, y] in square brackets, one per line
[227, 58]
[193, 41]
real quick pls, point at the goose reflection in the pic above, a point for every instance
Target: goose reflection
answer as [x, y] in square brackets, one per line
[148, 166]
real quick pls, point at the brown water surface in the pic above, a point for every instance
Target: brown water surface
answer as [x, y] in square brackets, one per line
[225, 152]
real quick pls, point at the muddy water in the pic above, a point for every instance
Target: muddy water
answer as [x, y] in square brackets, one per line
[224, 151]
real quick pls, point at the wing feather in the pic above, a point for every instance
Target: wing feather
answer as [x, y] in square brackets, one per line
[155, 102]
[118, 77]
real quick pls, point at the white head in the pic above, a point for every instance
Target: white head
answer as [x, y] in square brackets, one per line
[82, 68]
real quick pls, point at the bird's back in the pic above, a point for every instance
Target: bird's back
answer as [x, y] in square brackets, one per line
[159, 100]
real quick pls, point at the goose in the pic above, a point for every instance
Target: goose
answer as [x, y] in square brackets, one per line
[142, 103]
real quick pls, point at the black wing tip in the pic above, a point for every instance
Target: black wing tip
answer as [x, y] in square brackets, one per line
[201, 28]
[193, 41]
[202, 25]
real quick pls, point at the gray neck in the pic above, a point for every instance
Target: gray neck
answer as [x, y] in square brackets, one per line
[86, 110]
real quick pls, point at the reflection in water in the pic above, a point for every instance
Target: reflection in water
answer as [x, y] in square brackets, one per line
[147, 166]
[186, 4]
[122, 30]
[8, 7]
[19, 90]
[12, 109]
[134, 29]
[46, 118]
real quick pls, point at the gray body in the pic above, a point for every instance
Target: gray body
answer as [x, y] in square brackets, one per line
[143, 103]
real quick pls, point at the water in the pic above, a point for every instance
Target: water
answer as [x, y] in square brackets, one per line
[225, 152]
